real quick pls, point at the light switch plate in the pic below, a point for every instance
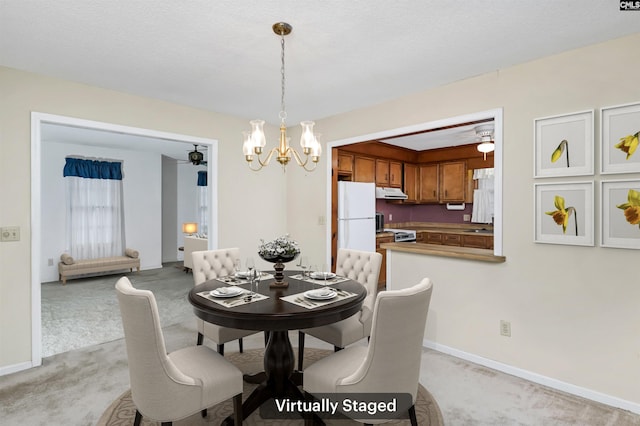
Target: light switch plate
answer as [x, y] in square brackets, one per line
[10, 233]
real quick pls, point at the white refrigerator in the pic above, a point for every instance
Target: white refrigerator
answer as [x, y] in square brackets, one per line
[357, 215]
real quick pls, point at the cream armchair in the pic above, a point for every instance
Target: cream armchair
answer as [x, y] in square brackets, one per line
[361, 266]
[171, 387]
[391, 361]
[208, 265]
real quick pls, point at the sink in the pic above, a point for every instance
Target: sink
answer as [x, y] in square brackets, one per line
[480, 231]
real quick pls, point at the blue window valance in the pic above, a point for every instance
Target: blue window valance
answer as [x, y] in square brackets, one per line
[202, 178]
[92, 169]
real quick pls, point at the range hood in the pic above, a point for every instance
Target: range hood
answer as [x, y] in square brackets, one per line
[390, 193]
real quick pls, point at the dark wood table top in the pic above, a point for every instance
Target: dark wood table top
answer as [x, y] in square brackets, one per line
[275, 314]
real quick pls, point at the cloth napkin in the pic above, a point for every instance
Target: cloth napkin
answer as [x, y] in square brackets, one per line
[300, 300]
[330, 281]
[232, 302]
[233, 280]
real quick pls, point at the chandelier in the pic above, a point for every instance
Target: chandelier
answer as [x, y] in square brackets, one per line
[254, 140]
[485, 134]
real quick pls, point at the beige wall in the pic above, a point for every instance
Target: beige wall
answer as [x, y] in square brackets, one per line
[21, 93]
[573, 310]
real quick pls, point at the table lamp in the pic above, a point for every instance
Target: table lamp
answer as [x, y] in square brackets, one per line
[190, 228]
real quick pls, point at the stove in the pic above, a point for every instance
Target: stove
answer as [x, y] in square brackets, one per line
[402, 235]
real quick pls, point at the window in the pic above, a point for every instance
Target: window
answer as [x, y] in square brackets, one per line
[95, 213]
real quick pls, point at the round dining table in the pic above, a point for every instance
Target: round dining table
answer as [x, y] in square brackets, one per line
[276, 317]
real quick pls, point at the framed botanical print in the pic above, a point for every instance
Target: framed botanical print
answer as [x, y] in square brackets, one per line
[619, 142]
[620, 216]
[564, 213]
[564, 145]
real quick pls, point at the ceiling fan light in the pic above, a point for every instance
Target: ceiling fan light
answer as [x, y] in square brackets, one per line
[486, 147]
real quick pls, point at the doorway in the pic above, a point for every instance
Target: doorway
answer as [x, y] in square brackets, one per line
[494, 115]
[38, 121]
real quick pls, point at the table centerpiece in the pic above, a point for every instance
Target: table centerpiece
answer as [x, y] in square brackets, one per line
[279, 251]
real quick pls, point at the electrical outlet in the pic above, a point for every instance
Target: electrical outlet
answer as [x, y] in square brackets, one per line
[50, 262]
[466, 217]
[390, 217]
[321, 220]
[505, 328]
[10, 233]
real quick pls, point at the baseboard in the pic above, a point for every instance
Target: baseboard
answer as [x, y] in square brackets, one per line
[536, 378]
[10, 369]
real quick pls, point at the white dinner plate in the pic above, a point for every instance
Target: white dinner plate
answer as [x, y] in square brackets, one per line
[320, 294]
[322, 275]
[226, 292]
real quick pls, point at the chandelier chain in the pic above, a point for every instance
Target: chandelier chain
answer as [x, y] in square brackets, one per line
[283, 111]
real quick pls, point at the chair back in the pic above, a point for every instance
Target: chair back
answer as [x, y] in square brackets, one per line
[361, 266]
[392, 363]
[210, 264]
[155, 380]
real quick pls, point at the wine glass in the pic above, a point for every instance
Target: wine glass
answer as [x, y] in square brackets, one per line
[304, 265]
[236, 266]
[251, 266]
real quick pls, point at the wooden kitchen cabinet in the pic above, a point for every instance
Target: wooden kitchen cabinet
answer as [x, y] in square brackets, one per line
[428, 180]
[433, 238]
[451, 240]
[452, 182]
[382, 279]
[382, 172]
[478, 241]
[395, 174]
[410, 186]
[345, 163]
[364, 169]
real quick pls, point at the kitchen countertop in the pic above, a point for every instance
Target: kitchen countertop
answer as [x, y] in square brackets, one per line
[448, 228]
[446, 251]
[468, 253]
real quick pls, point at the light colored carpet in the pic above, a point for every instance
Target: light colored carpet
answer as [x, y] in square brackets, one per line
[122, 411]
[85, 311]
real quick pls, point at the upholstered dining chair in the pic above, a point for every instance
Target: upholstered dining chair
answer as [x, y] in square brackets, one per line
[170, 387]
[390, 363]
[361, 266]
[208, 265]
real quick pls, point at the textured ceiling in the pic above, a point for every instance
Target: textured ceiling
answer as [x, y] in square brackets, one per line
[342, 55]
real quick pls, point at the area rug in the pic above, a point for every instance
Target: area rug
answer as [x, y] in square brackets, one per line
[122, 411]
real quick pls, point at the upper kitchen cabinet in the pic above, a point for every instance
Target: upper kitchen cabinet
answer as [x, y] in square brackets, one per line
[442, 182]
[411, 183]
[364, 169]
[428, 184]
[345, 163]
[388, 173]
[453, 181]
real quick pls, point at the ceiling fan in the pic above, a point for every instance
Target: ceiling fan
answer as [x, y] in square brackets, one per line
[196, 157]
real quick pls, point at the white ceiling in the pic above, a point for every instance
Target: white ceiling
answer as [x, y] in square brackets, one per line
[342, 55]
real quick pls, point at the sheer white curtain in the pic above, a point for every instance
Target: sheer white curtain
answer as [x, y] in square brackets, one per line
[203, 204]
[483, 196]
[95, 211]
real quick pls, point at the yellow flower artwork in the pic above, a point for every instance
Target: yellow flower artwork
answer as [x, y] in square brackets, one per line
[561, 214]
[564, 146]
[632, 207]
[628, 144]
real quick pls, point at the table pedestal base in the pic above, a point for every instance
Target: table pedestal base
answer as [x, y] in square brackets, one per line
[278, 380]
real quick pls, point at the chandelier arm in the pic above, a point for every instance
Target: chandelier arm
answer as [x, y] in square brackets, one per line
[298, 158]
[306, 160]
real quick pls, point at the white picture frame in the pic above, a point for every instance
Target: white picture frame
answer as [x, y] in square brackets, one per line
[619, 227]
[578, 206]
[617, 123]
[572, 137]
